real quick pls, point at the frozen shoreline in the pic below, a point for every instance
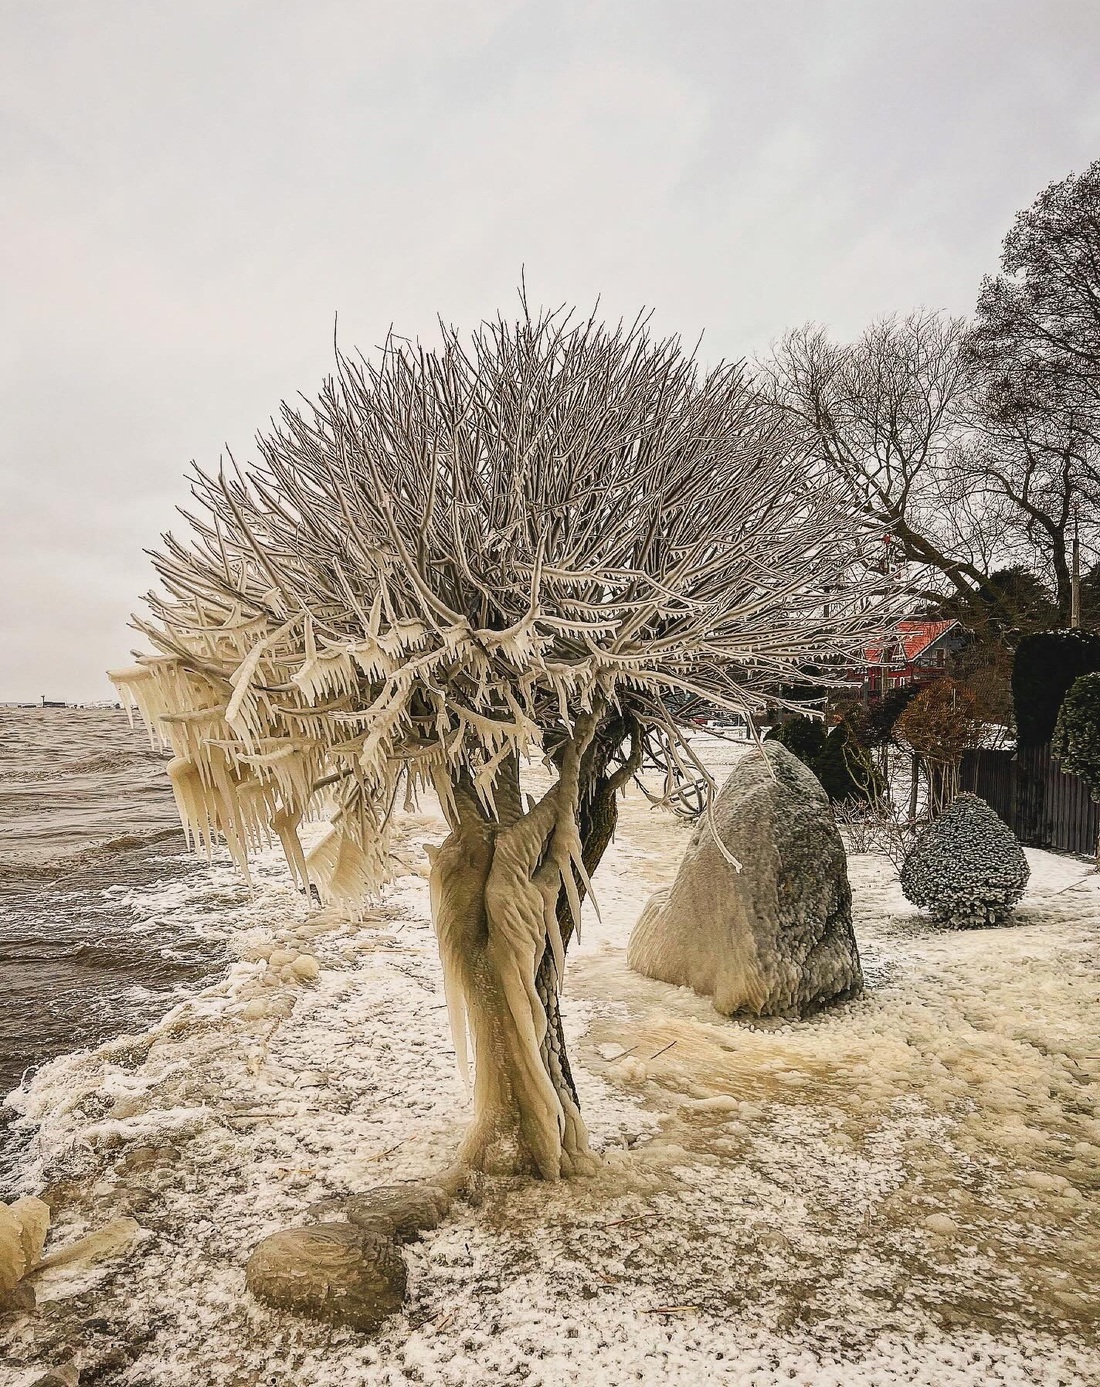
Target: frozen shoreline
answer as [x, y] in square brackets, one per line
[894, 1192]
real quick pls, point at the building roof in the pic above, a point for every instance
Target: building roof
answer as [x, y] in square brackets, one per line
[914, 638]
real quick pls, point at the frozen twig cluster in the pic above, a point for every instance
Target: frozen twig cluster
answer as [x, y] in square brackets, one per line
[454, 554]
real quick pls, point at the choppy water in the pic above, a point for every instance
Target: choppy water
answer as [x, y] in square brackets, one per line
[86, 823]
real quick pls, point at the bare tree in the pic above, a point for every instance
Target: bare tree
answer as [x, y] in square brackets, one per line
[1038, 321]
[883, 413]
[557, 542]
[967, 461]
[1033, 463]
[1034, 354]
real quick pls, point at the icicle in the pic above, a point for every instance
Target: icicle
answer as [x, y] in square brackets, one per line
[286, 822]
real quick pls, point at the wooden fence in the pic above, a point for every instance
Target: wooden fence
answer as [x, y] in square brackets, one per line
[1043, 805]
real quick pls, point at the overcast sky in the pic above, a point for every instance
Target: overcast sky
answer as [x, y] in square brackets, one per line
[192, 190]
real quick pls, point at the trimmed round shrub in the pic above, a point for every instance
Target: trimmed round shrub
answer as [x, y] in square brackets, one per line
[966, 868]
[1077, 736]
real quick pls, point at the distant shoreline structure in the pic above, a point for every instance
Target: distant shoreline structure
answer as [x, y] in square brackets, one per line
[44, 702]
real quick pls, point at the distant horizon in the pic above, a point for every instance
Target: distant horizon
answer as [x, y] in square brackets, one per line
[44, 702]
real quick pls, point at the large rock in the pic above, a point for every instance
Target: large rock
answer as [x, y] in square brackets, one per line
[774, 939]
[398, 1212]
[330, 1271]
[966, 868]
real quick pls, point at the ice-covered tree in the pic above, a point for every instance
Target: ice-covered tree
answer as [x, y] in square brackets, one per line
[553, 545]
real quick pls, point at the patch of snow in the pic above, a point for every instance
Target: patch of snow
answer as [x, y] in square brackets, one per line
[899, 1191]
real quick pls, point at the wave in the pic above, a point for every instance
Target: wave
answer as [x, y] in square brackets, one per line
[101, 763]
[17, 871]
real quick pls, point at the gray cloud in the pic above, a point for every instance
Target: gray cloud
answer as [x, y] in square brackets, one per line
[191, 192]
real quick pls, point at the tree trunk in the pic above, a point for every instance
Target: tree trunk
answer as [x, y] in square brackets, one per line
[505, 892]
[597, 815]
[914, 788]
[490, 918]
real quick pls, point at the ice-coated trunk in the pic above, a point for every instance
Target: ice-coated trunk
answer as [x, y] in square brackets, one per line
[490, 919]
[505, 892]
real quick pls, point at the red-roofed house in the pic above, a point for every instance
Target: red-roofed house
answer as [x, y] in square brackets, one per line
[914, 652]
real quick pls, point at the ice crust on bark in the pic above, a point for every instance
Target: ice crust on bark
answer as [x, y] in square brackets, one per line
[966, 868]
[774, 939]
[495, 889]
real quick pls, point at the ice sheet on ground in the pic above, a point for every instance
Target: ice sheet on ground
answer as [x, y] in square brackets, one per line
[899, 1191]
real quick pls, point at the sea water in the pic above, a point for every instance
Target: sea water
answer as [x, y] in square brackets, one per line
[88, 839]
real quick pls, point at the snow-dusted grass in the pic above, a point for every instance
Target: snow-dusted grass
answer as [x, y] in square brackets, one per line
[901, 1191]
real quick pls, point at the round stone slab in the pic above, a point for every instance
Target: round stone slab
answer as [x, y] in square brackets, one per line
[331, 1271]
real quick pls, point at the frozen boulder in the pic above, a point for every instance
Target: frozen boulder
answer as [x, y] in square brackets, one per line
[399, 1212]
[330, 1271]
[966, 868]
[64, 1375]
[23, 1227]
[774, 939]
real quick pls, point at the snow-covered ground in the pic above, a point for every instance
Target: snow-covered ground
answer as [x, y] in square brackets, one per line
[900, 1191]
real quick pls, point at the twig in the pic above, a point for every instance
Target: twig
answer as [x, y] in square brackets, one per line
[381, 1155]
[662, 1050]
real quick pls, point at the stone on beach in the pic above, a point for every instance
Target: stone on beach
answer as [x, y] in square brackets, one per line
[331, 1271]
[112, 1240]
[399, 1212]
[64, 1375]
[775, 938]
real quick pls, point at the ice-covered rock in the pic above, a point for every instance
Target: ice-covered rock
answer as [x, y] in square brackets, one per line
[23, 1227]
[399, 1212]
[149, 1157]
[774, 938]
[330, 1271]
[64, 1375]
[306, 968]
[112, 1240]
[966, 868]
